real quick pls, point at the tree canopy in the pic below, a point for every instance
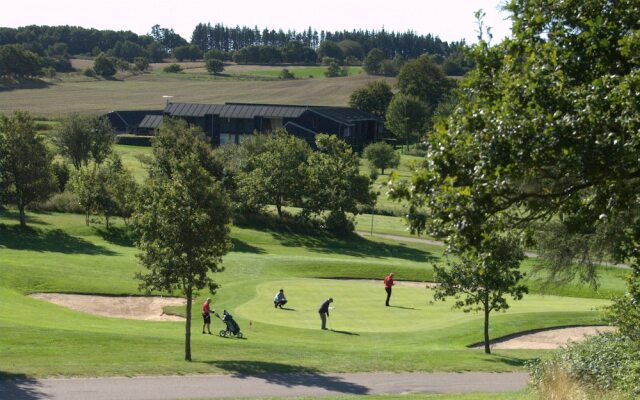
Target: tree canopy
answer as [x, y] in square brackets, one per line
[26, 173]
[182, 219]
[374, 98]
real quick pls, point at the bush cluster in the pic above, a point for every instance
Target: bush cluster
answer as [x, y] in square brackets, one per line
[609, 362]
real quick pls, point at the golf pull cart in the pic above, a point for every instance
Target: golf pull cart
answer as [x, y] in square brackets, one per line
[232, 327]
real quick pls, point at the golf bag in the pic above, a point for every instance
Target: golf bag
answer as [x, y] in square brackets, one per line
[232, 326]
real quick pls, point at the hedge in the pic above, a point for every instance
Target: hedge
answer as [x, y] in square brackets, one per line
[134, 140]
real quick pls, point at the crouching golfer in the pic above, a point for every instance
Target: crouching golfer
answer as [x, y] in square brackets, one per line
[279, 300]
[206, 316]
[324, 312]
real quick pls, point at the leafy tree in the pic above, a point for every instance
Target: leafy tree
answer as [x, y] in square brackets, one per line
[372, 63]
[482, 277]
[187, 52]
[334, 70]
[141, 63]
[128, 50]
[26, 173]
[351, 48]
[407, 117]
[82, 139]
[381, 155]
[546, 129]
[104, 66]
[217, 54]
[334, 183]
[425, 80]
[16, 61]
[214, 66]
[374, 98]
[329, 48]
[277, 174]
[182, 221]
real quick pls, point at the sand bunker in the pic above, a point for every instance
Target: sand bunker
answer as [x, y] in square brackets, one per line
[130, 307]
[549, 338]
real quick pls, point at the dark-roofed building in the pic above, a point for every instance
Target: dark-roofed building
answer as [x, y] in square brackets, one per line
[130, 121]
[233, 122]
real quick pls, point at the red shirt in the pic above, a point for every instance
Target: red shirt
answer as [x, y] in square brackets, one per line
[388, 281]
[206, 309]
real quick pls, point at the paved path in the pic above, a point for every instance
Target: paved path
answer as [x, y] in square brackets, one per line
[410, 239]
[270, 385]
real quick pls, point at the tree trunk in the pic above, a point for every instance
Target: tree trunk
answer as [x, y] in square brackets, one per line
[279, 207]
[187, 326]
[487, 349]
[23, 219]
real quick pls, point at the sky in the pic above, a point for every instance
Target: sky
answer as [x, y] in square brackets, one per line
[450, 20]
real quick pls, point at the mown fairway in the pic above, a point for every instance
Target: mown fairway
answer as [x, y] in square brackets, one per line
[60, 254]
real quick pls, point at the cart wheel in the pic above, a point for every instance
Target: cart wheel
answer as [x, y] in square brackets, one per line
[223, 333]
[239, 335]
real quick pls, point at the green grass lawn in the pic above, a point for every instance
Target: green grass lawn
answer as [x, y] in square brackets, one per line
[132, 157]
[299, 72]
[58, 253]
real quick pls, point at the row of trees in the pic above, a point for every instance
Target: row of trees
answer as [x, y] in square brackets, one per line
[98, 181]
[407, 44]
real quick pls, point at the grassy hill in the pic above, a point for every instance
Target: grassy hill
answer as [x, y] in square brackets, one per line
[58, 253]
[77, 93]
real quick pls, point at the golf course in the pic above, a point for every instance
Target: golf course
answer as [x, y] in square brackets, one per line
[58, 253]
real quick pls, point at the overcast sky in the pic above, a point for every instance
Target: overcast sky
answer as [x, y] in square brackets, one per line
[451, 20]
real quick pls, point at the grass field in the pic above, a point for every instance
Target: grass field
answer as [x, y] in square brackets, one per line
[58, 253]
[76, 93]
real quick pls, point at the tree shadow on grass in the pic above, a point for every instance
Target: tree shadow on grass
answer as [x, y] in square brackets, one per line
[24, 84]
[244, 247]
[508, 360]
[352, 245]
[14, 215]
[289, 375]
[118, 235]
[19, 387]
[54, 240]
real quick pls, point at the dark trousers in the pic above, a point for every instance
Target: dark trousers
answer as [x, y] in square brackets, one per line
[279, 303]
[388, 289]
[323, 317]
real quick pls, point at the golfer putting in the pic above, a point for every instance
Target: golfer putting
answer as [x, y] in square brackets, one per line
[324, 312]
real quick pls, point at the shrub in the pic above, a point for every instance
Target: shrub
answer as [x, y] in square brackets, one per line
[61, 173]
[172, 69]
[142, 63]
[609, 362]
[134, 140]
[66, 202]
[286, 74]
[214, 66]
[90, 72]
[338, 223]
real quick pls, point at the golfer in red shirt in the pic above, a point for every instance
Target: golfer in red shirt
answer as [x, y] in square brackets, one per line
[388, 283]
[206, 317]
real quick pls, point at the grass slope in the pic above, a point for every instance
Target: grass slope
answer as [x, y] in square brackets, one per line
[141, 92]
[60, 254]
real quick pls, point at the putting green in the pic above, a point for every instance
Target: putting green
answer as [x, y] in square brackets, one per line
[359, 306]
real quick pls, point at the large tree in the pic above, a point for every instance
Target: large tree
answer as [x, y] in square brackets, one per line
[407, 117]
[480, 279]
[277, 176]
[548, 129]
[334, 183]
[83, 139]
[26, 173]
[182, 219]
[374, 97]
[425, 80]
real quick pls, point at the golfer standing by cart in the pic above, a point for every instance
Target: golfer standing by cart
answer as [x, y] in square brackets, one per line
[388, 283]
[206, 317]
[324, 312]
